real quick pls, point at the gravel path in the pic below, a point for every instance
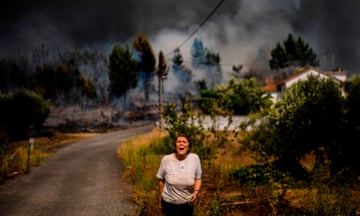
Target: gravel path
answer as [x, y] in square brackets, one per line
[84, 178]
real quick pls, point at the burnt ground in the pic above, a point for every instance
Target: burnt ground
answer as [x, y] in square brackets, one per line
[94, 119]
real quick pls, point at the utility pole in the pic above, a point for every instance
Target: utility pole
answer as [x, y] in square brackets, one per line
[162, 72]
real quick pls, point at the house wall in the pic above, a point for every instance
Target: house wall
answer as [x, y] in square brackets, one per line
[341, 77]
[274, 96]
[338, 78]
[304, 76]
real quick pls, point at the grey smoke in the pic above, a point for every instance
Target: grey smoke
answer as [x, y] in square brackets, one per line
[237, 30]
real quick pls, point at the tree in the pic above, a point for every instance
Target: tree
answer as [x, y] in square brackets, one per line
[247, 96]
[279, 57]
[122, 71]
[53, 84]
[45, 81]
[211, 103]
[292, 53]
[203, 56]
[305, 54]
[182, 119]
[177, 60]
[352, 128]
[207, 60]
[307, 119]
[77, 83]
[147, 62]
[180, 71]
[15, 72]
[89, 88]
[198, 52]
[64, 81]
[236, 97]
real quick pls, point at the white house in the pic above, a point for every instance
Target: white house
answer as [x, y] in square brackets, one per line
[277, 89]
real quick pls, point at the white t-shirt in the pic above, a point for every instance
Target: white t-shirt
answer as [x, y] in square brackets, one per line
[179, 176]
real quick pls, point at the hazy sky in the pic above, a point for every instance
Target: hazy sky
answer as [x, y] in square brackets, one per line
[241, 31]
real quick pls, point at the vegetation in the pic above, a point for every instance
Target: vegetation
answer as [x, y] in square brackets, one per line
[208, 61]
[233, 184]
[352, 124]
[292, 53]
[64, 82]
[147, 62]
[64, 77]
[177, 60]
[13, 74]
[300, 159]
[202, 55]
[311, 118]
[307, 119]
[21, 110]
[236, 97]
[89, 88]
[89, 77]
[181, 72]
[122, 71]
[286, 165]
[18, 156]
[163, 68]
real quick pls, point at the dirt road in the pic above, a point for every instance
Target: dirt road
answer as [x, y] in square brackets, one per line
[84, 178]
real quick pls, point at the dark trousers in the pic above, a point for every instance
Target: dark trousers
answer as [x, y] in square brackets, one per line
[170, 209]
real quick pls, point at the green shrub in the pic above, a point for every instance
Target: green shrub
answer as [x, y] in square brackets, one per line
[21, 110]
[332, 194]
[256, 175]
[162, 146]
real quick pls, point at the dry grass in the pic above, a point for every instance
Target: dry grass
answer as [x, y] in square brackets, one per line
[144, 140]
[15, 160]
[219, 195]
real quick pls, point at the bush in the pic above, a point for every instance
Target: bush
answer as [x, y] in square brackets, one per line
[21, 110]
[256, 175]
[162, 146]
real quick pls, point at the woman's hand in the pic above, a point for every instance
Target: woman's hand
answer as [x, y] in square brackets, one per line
[196, 189]
[194, 196]
[161, 187]
[160, 204]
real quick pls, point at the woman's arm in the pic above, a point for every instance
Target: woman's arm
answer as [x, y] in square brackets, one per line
[161, 187]
[197, 186]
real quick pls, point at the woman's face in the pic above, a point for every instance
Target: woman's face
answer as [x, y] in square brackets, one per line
[182, 146]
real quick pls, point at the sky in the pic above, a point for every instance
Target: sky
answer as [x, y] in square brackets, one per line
[241, 31]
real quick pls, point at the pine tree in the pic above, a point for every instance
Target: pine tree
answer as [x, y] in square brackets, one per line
[292, 53]
[122, 71]
[147, 62]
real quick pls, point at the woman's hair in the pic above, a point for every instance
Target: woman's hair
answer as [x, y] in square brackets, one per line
[187, 138]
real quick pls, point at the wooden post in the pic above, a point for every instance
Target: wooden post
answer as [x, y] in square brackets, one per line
[162, 72]
[160, 102]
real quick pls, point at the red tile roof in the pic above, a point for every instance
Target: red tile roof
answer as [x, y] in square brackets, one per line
[270, 87]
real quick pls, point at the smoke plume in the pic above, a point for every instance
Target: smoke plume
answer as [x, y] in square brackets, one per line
[241, 31]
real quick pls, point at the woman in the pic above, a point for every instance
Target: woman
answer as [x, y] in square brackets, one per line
[179, 177]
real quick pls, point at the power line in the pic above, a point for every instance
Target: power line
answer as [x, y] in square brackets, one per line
[198, 28]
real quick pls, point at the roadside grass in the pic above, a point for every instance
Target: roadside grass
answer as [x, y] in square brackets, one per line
[231, 183]
[18, 157]
[141, 165]
[230, 178]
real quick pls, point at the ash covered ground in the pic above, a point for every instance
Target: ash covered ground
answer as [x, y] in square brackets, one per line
[99, 119]
[95, 119]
